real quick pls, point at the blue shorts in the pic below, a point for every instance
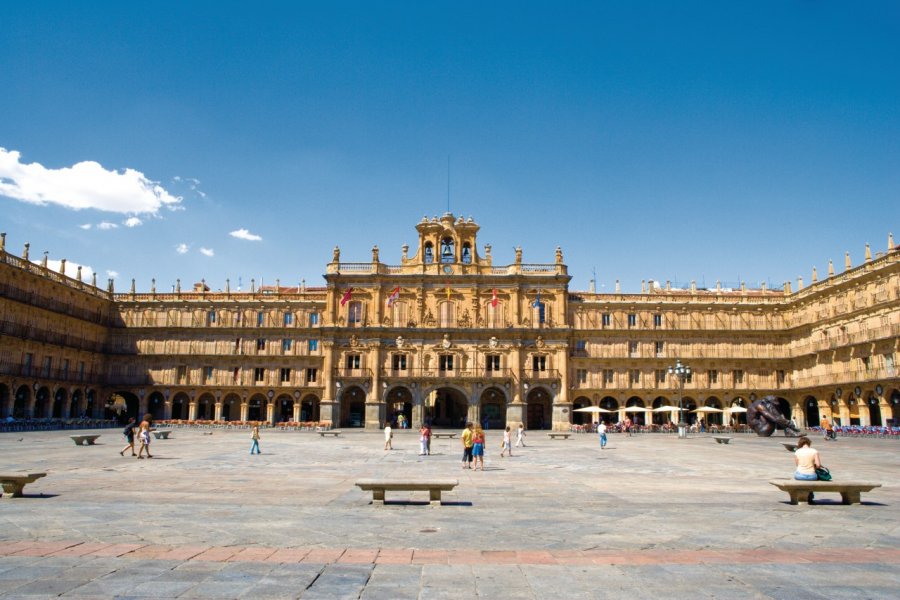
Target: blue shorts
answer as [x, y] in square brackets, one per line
[806, 476]
[478, 450]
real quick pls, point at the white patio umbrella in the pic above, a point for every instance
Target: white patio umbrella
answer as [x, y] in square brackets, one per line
[666, 408]
[637, 409]
[736, 409]
[592, 409]
[708, 409]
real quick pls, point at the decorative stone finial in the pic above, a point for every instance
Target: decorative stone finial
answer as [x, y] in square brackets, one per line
[743, 287]
[132, 286]
[78, 273]
[252, 286]
[375, 254]
[303, 286]
[763, 286]
[227, 286]
[847, 265]
[518, 255]
[336, 254]
[830, 268]
[799, 283]
[177, 286]
[868, 252]
[62, 267]
[25, 252]
[110, 285]
[153, 286]
[487, 250]
[693, 286]
[890, 242]
[559, 257]
[44, 260]
[618, 287]
[718, 286]
[668, 285]
[787, 287]
[815, 275]
[2, 241]
[405, 249]
[94, 279]
[643, 286]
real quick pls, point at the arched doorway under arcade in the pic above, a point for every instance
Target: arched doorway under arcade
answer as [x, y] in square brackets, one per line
[21, 402]
[688, 406]
[811, 411]
[60, 404]
[75, 404]
[635, 410]
[5, 401]
[309, 409]
[581, 418]
[612, 405]
[539, 411]
[713, 418]
[43, 408]
[661, 417]
[446, 407]
[284, 408]
[875, 419]
[493, 408]
[181, 406]
[156, 405]
[231, 408]
[353, 407]
[206, 407]
[256, 408]
[398, 401]
[894, 403]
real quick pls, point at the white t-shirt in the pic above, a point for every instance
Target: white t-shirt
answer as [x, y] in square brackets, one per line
[806, 459]
[387, 432]
[602, 428]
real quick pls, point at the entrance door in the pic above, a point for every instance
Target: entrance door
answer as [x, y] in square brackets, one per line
[535, 415]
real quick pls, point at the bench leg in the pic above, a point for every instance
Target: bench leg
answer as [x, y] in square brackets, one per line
[377, 496]
[850, 497]
[435, 496]
[795, 496]
[91, 442]
[11, 489]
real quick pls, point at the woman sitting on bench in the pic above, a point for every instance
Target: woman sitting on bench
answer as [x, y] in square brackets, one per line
[807, 460]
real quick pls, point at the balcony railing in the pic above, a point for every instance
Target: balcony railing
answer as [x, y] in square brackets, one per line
[437, 373]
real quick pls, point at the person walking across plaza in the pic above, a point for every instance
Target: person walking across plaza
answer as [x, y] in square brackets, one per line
[388, 436]
[520, 436]
[507, 442]
[466, 438]
[144, 436]
[828, 429]
[255, 437]
[425, 440]
[128, 432]
[478, 447]
[601, 432]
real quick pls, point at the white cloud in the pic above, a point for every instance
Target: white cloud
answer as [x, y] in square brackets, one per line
[86, 226]
[112, 274]
[243, 234]
[132, 222]
[83, 185]
[181, 248]
[106, 225]
[207, 252]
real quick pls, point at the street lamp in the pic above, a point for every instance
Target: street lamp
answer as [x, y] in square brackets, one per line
[682, 372]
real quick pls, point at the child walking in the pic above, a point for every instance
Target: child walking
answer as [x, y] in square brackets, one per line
[520, 436]
[255, 438]
[388, 434]
[507, 447]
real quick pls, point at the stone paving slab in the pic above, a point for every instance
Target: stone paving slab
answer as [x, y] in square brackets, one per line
[649, 516]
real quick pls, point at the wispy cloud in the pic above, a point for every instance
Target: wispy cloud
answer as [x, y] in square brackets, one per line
[192, 183]
[106, 225]
[132, 222]
[243, 234]
[86, 226]
[182, 248]
[83, 185]
[207, 252]
[112, 274]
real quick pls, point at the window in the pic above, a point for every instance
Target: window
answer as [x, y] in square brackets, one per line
[780, 376]
[632, 348]
[211, 317]
[206, 374]
[738, 376]
[445, 362]
[260, 318]
[660, 376]
[689, 377]
[635, 376]
[260, 344]
[398, 362]
[181, 374]
[713, 376]
[29, 360]
[581, 376]
[288, 319]
[80, 370]
[605, 319]
[608, 376]
[285, 375]
[538, 363]
[259, 374]
[286, 345]
[492, 362]
[429, 253]
[889, 363]
[446, 315]
[632, 320]
[580, 346]
[659, 347]
[540, 312]
[65, 368]
[657, 320]
[354, 313]
[312, 375]
[866, 362]
[48, 365]
[448, 250]
[313, 319]
[352, 361]
[236, 375]
[313, 345]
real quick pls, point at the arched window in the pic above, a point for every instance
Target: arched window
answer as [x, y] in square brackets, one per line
[467, 253]
[446, 318]
[448, 250]
[429, 253]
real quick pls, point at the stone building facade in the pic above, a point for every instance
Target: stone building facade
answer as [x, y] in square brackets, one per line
[447, 336]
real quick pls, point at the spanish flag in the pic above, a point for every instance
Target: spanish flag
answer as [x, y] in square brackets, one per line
[346, 297]
[494, 299]
[393, 297]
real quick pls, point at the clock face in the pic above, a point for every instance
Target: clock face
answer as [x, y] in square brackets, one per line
[448, 269]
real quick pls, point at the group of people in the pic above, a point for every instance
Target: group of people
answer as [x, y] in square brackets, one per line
[142, 432]
[473, 443]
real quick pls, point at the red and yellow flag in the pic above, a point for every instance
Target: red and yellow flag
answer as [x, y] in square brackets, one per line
[346, 297]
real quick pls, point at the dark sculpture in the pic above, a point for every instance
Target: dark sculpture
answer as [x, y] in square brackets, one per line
[764, 418]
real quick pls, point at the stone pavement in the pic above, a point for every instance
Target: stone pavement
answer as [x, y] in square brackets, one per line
[649, 516]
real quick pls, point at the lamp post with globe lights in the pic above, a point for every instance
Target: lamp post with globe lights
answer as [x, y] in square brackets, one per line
[682, 372]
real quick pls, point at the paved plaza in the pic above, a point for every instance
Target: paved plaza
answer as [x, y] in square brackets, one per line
[650, 516]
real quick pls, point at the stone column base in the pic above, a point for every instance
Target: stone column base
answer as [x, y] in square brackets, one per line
[375, 415]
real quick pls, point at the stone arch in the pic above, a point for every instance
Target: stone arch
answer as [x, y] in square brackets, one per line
[539, 411]
[76, 401]
[398, 401]
[181, 404]
[156, 405]
[637, 418]
[448, 406]
[811, 410]
[662, 417]
[206, 407]
[309, 408]
[22, 402]
[257, 407]
[739, 418]
[43, 403]
[5, 401]
[875, 418]
[231, 407]
[353, 406]
[893, 397]
[688, 405]
[131, 405]
[714, 418]
[60, 404]
[284, 408]
[493, 401]
[581, 418]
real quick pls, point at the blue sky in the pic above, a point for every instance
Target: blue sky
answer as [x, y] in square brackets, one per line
[651, 140]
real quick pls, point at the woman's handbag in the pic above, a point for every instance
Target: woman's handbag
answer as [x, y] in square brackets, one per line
[823, 473]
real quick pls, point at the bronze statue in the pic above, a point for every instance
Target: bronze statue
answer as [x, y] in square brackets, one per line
[764, 417]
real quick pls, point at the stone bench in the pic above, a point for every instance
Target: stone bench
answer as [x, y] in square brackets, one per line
[722, 439]
[333, 433]
[434, 487]
[451, 436]
[84, 440]
[789, 446]
[800, 490]
[557, 434]
[14, 484]
[162, 434]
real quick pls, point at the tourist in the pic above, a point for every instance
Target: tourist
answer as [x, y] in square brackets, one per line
[144, 436]
[628, 426]
[425, 439]
[520, 436]
[388, 434]
[255, 437]
[128, 432]
[478, 447]
[507, 443]
[401, 421]
[702, 426]
[601, 431]
[466, 438]
[807, 461]
[828, 429]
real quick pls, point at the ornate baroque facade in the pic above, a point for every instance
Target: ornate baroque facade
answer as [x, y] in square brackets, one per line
[447, 336]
